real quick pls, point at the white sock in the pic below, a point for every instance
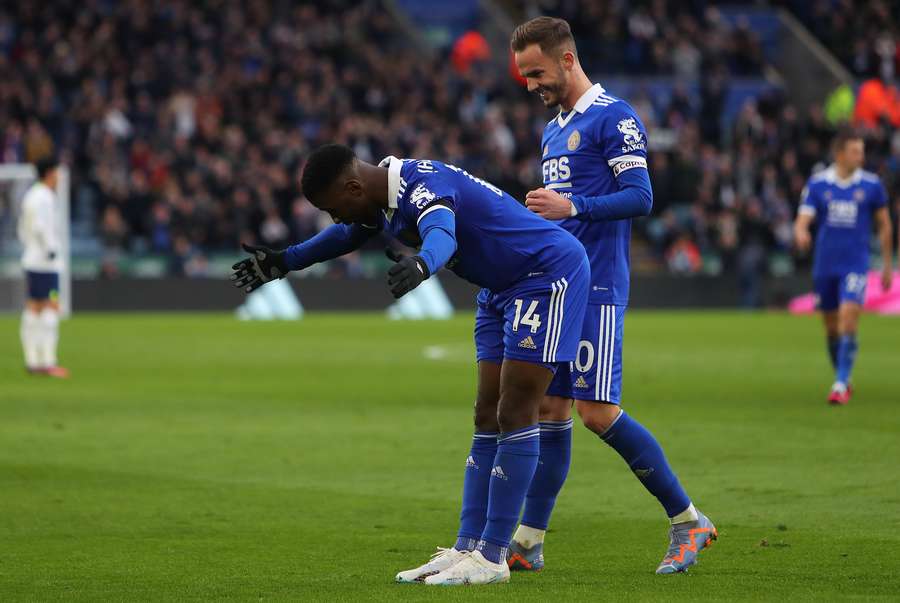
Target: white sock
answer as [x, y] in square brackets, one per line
[528, 536]
[29, 331]
[49, 336]
[689, 514]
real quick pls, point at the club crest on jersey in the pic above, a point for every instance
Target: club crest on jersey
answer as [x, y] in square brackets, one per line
[859, 195]
[421, 196]
[631, 135]
[574, 141]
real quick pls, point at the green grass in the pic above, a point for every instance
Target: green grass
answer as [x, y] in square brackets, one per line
[196, 457]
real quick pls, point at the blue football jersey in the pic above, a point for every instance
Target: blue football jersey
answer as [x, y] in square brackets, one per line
[583, 152]
[499, 242]
[843, 212]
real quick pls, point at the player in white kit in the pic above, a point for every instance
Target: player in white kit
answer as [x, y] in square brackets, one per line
[39, 232]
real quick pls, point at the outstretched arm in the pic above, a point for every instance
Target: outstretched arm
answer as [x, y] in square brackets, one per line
[265, 264]
[333, 242]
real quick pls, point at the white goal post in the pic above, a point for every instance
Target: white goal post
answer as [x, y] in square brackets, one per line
[15, 179]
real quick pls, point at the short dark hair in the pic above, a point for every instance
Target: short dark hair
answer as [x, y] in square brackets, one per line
[323, 166]
[549, 33]
[844, 135]
[45, 165]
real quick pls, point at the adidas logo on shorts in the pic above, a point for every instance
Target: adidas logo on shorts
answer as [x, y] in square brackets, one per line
[528, 343]
[580, 382]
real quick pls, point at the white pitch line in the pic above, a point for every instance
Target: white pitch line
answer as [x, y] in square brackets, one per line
[435, 352]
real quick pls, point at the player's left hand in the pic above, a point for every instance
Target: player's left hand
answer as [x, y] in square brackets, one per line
[887, 279]
[548, 204]
[262, 266]
[407, 274]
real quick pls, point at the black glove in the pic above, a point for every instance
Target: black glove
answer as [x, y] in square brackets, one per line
[407, 274]
[262, 266]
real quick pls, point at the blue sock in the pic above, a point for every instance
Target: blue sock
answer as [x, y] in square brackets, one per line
[646, 458]
[517, 457]
[475, 489]
[846, 356]
[833, 346]
[550, 475]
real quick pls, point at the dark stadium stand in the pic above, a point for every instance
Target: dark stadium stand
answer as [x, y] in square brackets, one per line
[187, 124]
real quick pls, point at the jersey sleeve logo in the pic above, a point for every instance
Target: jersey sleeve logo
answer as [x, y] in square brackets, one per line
[421, 196]
[574, 141]
[631, 135]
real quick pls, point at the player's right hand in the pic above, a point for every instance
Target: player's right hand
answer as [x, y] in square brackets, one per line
[262, 266]
[802, 240]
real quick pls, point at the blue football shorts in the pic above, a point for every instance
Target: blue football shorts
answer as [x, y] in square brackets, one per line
[536, 320]
[42, 285]
[595, 374]
[833, 290]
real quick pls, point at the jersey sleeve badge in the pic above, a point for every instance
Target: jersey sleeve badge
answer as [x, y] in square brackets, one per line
[631, 135]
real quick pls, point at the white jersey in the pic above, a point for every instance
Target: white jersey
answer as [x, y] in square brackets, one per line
[39, 230]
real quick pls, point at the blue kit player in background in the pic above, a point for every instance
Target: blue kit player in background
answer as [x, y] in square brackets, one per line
[594, 164]
[535, 279]
[843, 200]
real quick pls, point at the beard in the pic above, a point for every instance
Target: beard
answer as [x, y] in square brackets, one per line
[551, 94]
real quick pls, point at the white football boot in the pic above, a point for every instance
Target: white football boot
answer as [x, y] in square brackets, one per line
[441, 560]
[472, 569]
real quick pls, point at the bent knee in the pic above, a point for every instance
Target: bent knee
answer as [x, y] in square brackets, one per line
[511, 418]
[485, 414]
[555, 408]
[597, 416]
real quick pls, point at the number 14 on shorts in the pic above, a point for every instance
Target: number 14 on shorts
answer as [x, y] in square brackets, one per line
[530, 319]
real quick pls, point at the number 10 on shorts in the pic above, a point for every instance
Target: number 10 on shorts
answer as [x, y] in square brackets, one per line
[530, 319]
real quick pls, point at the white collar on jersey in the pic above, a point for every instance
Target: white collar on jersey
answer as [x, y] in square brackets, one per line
[393, 165]
[831, 176]
[582, 104]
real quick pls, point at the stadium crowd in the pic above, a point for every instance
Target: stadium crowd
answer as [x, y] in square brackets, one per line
[657, 38]
[186, 124]
[862, 35]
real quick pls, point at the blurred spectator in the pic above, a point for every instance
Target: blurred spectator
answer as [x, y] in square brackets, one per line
[187, 260]
[683, 255]
[878, 102]
[471, 47]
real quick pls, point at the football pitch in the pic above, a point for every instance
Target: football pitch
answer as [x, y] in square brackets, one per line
[198, 457]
